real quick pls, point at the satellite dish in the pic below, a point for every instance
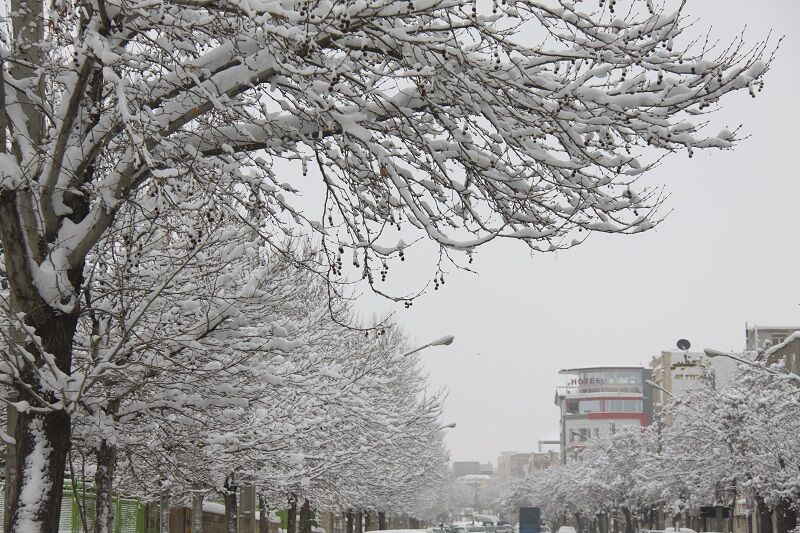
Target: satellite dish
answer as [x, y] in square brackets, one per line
[683, 344]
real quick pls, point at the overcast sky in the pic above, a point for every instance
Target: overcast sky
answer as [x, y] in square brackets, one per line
[726, 255]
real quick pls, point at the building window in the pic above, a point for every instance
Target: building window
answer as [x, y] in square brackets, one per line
[589, 406]
[624, 406]
[571, 407]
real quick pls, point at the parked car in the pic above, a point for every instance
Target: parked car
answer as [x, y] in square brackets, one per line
[544, 529]
[681, 530]
[566, 529]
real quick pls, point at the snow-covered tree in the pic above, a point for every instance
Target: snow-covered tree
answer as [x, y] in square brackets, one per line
[742, 440]
[721, 444]
[429, 116]
[235, 367]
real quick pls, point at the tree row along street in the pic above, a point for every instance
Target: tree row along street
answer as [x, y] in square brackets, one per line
[193, 194]
[712, 449]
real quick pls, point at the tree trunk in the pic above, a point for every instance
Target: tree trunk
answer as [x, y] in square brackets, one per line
[719, 518]
[106, 456]
[163, 511]
[791, 518]
[382, 520]
[785, 519]
[367, 521]
[197, 508]
[231, 510]
[247, 509]
[291, 519]
[628, 522]
[764, 517]
[359, 522]
[36, 462]
[263, 516]
[10, 489]
[349, 527]
[42, 439]
[305, 517]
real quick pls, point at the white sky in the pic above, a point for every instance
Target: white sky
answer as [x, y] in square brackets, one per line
[727, 254]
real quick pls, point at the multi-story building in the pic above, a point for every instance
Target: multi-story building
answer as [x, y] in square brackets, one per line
[466, 468]
[678, 371]
[788, 352]
[512, 464]
[765, 337]
[595, 401]
[472, 468]
[542, 460]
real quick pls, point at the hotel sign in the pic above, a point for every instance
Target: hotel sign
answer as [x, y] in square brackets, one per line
[588, 381]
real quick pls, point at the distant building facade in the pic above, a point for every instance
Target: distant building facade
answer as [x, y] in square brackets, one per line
[466, 468]
[765, 337]
[787, 352]
[472, 468]
[679, 371]
[597, 400]
[512, 464]
[543, 460]
[775, 344]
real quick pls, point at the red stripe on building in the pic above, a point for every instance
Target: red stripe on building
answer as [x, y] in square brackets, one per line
[641, 417]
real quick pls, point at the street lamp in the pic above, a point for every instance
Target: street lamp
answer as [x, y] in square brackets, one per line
[444, 341]
[710, 352]
[579, 434]
[659, 387]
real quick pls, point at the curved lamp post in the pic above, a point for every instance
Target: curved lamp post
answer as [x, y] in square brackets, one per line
[444, 341]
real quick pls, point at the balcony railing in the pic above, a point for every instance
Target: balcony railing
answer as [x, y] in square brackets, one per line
[569, 390]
